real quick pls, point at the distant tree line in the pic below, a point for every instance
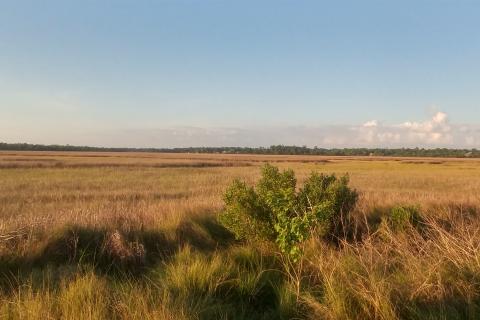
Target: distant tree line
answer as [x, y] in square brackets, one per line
[272, 150]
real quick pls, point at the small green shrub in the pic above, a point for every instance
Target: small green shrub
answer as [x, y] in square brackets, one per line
[275, 211]
[401, 217]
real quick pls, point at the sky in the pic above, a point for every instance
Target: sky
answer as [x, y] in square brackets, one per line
[180, 73]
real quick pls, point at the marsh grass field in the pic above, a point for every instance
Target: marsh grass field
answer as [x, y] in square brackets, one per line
[136, 236]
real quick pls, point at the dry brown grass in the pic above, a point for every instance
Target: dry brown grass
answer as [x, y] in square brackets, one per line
[130, 200]
[95, 189]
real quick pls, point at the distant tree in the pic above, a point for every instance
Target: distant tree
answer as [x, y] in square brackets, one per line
[273, 150]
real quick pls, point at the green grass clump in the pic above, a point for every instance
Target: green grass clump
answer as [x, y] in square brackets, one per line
[239, 284]
[401, 217]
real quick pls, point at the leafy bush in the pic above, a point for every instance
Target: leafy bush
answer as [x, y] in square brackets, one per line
[400, 217]
[275, 211]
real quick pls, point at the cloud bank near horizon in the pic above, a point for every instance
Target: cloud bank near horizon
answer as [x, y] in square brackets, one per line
[434, 132]
[437, 131]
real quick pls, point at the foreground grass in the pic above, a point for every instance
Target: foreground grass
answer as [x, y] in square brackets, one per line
[191, 280]
[433, 273]
[143, 242]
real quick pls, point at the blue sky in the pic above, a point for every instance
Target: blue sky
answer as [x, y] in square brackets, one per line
[204, 72]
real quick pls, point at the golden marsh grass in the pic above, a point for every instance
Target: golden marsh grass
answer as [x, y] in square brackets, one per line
[57, 211]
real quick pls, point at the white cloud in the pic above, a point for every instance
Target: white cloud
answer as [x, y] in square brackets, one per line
[440, 117]
[437, 130]
[371, 123]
